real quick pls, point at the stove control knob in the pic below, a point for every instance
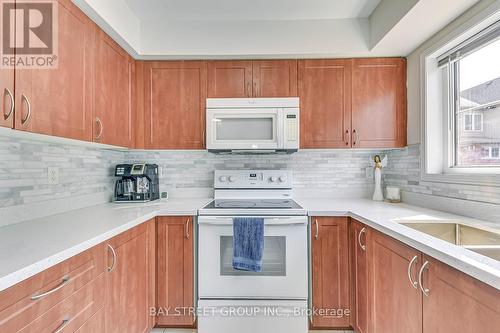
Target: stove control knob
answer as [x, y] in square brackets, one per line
[223, 178]
[273, 179]
[231, 179]
[282, 179]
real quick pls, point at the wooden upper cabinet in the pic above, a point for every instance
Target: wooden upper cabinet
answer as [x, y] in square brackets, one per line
[7, 100]
[457, 302]
[325, 103]
[359, 241]
[396, 303]
[174, 104]
[257, 78]
[330, 270]
[175, 274]
[378, 102]
[274, 78]
[230, 78]
[127, 282]
[114, 91]
[58, 101]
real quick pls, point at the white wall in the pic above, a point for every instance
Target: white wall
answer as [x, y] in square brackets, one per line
[116, 19]
[414, 91]
[386, 16]
[242, 39]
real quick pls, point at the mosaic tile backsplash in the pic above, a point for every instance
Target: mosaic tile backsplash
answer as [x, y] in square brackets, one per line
[24, 163]
[312, 169]
[89, 170]
[404, 171]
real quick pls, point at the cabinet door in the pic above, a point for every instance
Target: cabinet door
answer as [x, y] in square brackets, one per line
[471, 306]
[60, 99]
[127, 299]
[360, 240]
[230, 78]
[379, 102]
[274, 78]
[113, 93]
[396, 303]
[330, 270]
[175, 274]
[7, 91]
[325, 103]
[175, 96]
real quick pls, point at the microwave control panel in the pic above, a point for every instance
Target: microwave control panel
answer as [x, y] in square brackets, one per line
[291, 128]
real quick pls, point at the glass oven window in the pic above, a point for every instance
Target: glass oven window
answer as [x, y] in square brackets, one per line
[273, 258]
[235, 129]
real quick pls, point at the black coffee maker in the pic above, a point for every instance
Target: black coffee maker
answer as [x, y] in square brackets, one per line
[137, 183]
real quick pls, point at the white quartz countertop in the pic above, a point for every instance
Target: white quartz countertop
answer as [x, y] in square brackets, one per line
[384, 217]
[27, 248]
[30, 247]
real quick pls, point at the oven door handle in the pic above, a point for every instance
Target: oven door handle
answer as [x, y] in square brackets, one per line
[267, 222]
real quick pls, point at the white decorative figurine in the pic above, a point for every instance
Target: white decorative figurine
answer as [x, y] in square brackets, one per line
[378, 164]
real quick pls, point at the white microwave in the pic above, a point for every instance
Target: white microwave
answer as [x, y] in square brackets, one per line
[252, 125]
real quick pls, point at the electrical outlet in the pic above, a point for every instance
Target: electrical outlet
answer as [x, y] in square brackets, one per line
[53, 175]
[369, 172]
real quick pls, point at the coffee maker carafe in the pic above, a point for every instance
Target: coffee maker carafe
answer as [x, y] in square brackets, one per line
[137, 183]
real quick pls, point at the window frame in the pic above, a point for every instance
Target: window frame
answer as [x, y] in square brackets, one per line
[438, 107]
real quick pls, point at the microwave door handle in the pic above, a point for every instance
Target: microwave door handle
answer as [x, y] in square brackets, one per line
[280, 127]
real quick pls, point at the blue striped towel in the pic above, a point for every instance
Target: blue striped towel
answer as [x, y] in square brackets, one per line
[248, 243]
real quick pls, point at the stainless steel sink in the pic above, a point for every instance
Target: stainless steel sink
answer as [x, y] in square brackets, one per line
[482, 241]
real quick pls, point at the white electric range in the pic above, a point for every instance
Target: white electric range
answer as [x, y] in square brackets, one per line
[275, 299]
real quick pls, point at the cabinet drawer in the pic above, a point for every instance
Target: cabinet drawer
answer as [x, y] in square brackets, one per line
[73, 312]
[23, 303]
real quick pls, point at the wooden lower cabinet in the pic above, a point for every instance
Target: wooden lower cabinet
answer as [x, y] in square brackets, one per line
[396, 303]
[127, 281]
[175, 271]
[330, 271]
[96, 324]
[457, 302]
[359, 238]
[30, 306]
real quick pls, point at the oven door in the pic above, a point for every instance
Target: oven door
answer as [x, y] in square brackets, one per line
[244, 129]
[284, 268]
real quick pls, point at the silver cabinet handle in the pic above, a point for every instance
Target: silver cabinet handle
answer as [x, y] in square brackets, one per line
[61, 327]
[347, 138]
[425, 291]
[110, 248]
[12, 103]
[64, 282]
[187, 228]
[414, 284]
[316, 235]
[355, 137]
[101, 128]
[363, 247]
[28, 116]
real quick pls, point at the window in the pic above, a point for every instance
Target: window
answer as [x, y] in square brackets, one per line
[494, 152]
[471, 72]
[473, 122]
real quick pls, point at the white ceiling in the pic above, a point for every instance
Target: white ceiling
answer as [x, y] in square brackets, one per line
[194, 29]
[251, 9]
